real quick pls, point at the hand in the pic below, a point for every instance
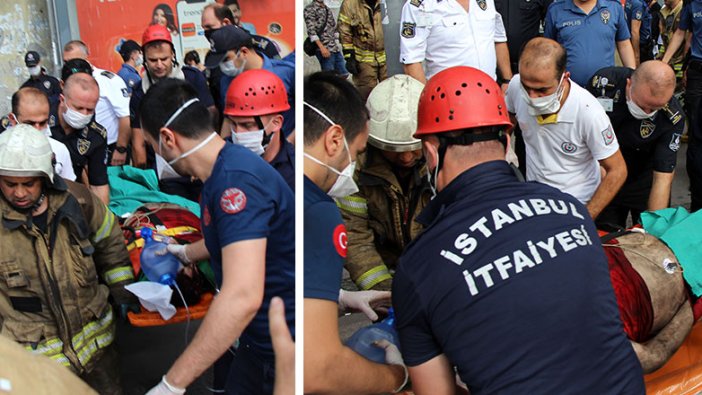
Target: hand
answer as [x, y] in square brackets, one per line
[352, 65]
[178, 250]
[283, 347]
[324, 52]
[393, 357]
[139, 156]
[364, 301]
[118, 159]
[164, 388]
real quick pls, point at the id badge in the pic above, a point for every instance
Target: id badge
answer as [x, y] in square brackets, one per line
[606, 103]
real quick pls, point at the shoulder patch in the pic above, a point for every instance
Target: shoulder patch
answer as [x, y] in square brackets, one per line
[674, 114]
[83, 146]
[675, 142]
[232, 201]
[482, 4]
[416, 3]
[608, 135]
[340, 240]
[107, 74]
[125, 92]
[408, 29]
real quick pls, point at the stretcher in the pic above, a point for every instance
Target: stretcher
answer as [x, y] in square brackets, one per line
[682, 374]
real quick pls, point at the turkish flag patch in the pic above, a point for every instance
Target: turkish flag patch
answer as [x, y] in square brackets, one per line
[340, 240]
[233, 200]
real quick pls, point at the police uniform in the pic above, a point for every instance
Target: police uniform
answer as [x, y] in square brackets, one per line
[648, 145]
[130, 76]
[691, 20]
[522, 20]
[113, 103]
[637, 10]
[589, 40]
[509, 282]
[88, 147]
[443, 34]
[244, 199]
[325, 245]
[563, 150]
[52, 87]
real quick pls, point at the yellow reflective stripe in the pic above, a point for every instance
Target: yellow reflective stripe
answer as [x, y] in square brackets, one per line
[344, 19]
[48, 347]
[91, 329]
[105, 228]
[353, 204]
[366, 56]
[373, 277]
[117, 275]
[62, 359]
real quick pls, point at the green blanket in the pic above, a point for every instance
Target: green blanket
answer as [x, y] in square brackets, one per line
[130, 188]
[682, 232]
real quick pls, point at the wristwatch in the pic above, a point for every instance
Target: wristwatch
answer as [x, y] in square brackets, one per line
[121, 150]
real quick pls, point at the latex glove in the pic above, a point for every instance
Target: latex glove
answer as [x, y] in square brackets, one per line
[178, 250]
[393, 357]
[364, 301]
[165, 388]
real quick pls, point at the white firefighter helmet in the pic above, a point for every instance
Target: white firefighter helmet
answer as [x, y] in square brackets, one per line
[25, 152]
[393, 114]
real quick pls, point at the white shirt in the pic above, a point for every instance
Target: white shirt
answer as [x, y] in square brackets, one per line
[445, 35]
[565, 154]
[63, 165]
[113, 103]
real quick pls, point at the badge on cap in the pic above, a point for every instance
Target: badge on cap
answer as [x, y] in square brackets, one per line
[340, 240]
[482, 4]
[47, 85]
[233, 200]
[604, 15]
[608, 135]
[408, 29]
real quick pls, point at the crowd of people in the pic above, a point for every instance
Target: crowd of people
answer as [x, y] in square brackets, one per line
[414, 184]
[220, 135]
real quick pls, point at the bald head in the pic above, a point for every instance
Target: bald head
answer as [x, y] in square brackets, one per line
[27, 99]
[80, 82]
[75, 49]
[543, 53]
[654, 78]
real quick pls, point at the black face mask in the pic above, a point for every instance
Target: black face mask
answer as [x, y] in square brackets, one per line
[209, 33]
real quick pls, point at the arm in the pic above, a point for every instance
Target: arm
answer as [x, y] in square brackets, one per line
[503, 64]
[615, 175]
[416, 71]
[283, 347]
[673, 45]
[330, 366]
[124, 135]
[101, 191]
[343, 25]
[138, 148]
[626, 52]
[241, 295]
[659, 197]
[434, 377]
[635, 39]
[658, 350]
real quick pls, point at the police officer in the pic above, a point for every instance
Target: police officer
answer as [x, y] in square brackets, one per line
[112, 111]
[453, 33]
[498, 254]
[63, 255]
[248, 222]
[691, 21]
[44, 82]
[649, 123]
[393, 188]
[257, 121]
[335, 132]
[639, 22]
[590, 30]
[133, 58]
[363, 43]
[85, 139]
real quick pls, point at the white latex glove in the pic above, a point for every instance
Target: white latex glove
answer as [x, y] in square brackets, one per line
[165, 388]
[178, 250]
[393, 357]
[364, 301]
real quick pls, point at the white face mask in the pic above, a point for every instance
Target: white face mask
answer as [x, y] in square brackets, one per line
[546, 104]
[75, 119]
[229, 68]
[34, 71]
[432, 180]
[636, 111]
[344, 184]
[250, 140]
[139, 61]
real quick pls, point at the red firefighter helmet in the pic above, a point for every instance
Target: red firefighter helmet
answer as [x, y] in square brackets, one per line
[256, 92]
[155, 33]
[460, 98]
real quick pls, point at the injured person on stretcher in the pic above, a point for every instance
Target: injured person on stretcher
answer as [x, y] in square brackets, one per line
[654, 302]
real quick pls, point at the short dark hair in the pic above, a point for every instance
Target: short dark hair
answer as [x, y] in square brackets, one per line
[192, 56]
[27, 92]
[338, 100]
[165, 98]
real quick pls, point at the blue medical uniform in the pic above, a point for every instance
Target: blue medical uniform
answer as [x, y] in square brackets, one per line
[244, 199]
[509, 281]
[589, 40]
[284, 162]
[285, 71]
[130, 75]
[325, 244]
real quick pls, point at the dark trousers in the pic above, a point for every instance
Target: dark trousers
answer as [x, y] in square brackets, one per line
[250, 373]
[105, 375]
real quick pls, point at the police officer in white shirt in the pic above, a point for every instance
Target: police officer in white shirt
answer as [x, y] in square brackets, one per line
[568, 135]
[112, 111]
[447, 33]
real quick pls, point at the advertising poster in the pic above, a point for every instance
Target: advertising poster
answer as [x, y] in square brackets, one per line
[105, 24]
